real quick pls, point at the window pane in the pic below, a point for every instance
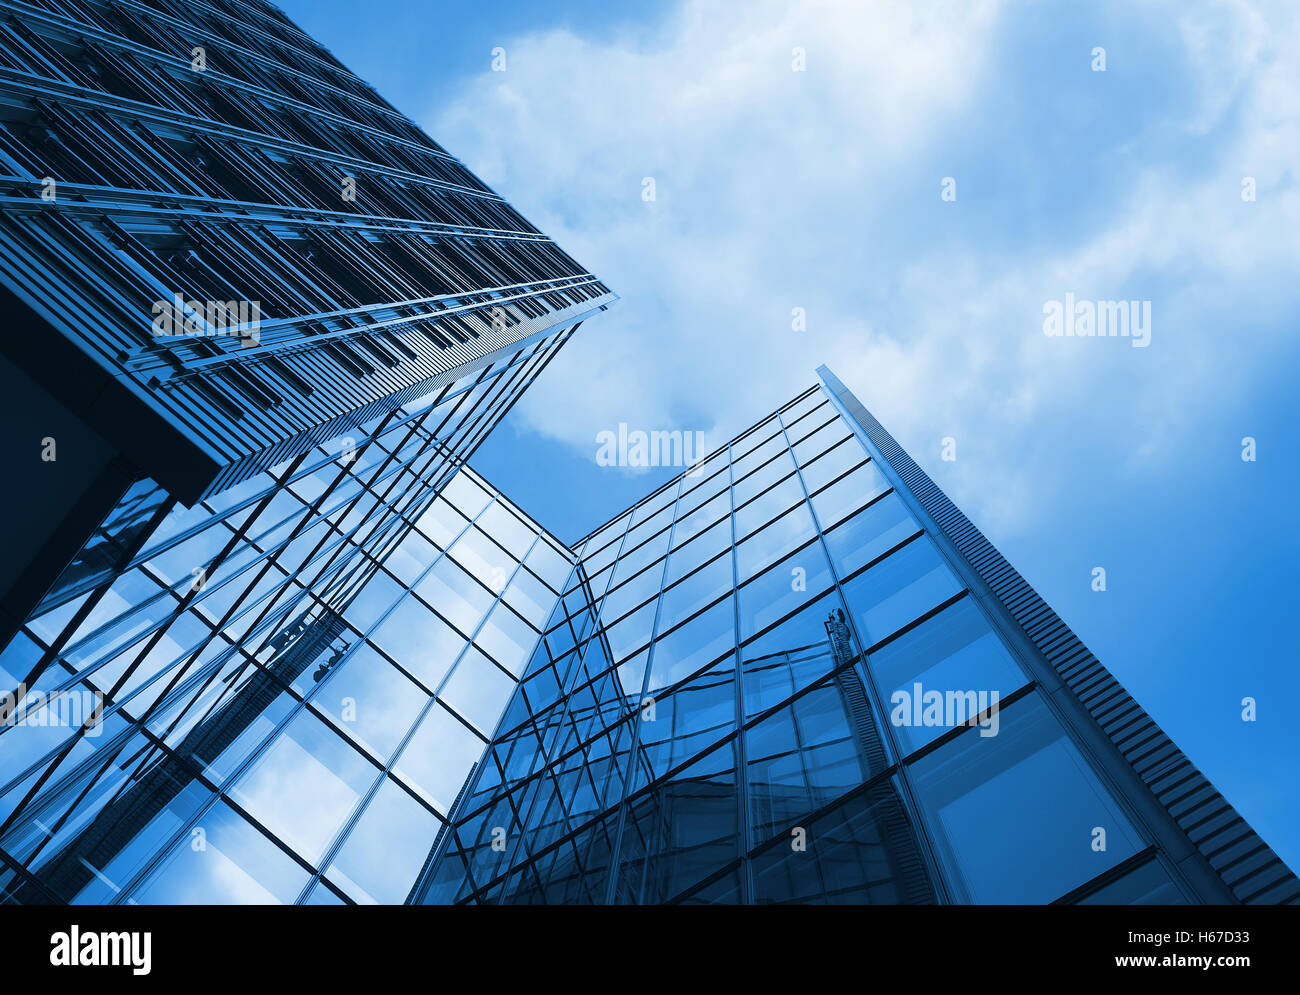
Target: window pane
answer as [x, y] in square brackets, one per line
[954, 654]
[783, 588]
[788, 658]
[898, 589]
[305, 785]
[801, 757]
[420, 641]
[460, 599]
[828, 466]
[846, 496]
[761, 511]
[478, 690]
[506, 528]
[685, 650]
[237, 866]
[484, 559]
[695, 553]
[763, 478]
[439, 757]
[507, 638]
[867, 854]
[384, 853]
[372, 700]
[1013, 815]
[773, 541]
[869, 534]
[696, 591]
[1149, 884]
[695, 522]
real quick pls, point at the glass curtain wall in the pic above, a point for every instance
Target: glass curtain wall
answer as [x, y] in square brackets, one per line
[276, 694]
[765, 684]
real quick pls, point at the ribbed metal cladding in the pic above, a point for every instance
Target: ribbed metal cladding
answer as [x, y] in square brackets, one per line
[1247, 865]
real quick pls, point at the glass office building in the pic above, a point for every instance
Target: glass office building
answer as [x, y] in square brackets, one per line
[219, 249]
[797, 674]
[793, 674]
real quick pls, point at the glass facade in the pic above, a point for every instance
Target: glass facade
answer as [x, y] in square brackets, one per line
[270, 743]
[270, 639]
[771, 681]
[767, 683]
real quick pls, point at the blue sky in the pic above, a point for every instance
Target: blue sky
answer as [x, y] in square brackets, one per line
[820, 189]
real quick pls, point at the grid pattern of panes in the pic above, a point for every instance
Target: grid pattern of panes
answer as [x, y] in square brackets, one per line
[296, 675]
[210, 149]
[690, 729]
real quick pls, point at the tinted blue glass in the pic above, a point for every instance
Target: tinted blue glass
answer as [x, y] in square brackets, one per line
[898, 589]
[784, 588]
[690, 646]
[818, 442]
[386, 849]
[763, 477]
[848, 494]
[1149, 884]
[788, 658]
[802, 407]
[632, 632]
[307, 782]
[420, 641]
[634, 560]
[772, 542]
[953, 653]
[801, 757]
[705, 585]
[237, 865]
[1014, 816]
[699, 550]
[460, 599]
[439, 756]
[694, 522]
[804, 427]
[692, 718]
[681, 831]
[870, 533]
[762, 510]
[826, 467]
[370, 699]
[865, 853]
[743, 465]
[478, 690]
[507, 638]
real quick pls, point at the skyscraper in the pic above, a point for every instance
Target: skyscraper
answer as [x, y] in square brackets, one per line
[220, 249]
[256, 322]
[797, 673]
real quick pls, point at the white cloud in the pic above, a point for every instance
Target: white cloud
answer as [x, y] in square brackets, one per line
[820, 189]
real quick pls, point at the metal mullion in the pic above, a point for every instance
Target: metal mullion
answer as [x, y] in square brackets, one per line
[130, 670]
